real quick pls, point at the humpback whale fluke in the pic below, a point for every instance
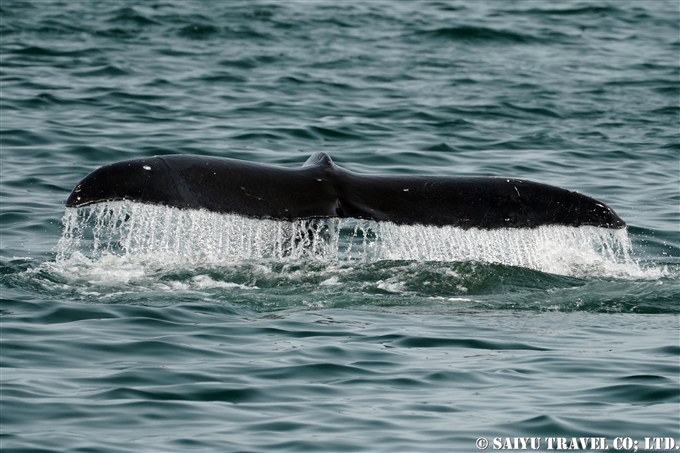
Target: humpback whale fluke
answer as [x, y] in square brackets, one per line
[321, 189]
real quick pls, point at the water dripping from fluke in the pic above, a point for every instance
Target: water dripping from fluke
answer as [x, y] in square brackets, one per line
[162, 235]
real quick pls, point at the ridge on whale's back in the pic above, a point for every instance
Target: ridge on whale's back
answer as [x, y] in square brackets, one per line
[321, 189]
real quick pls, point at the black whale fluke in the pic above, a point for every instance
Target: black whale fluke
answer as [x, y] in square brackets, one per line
[321, 189]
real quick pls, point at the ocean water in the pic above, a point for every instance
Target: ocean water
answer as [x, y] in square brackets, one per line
[131, 327]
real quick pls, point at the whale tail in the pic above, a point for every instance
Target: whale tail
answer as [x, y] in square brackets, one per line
[321, 189]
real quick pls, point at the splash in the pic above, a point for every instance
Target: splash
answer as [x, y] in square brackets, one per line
[125, 228]
[164, 235]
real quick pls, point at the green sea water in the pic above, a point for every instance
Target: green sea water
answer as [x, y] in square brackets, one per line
[186, 331]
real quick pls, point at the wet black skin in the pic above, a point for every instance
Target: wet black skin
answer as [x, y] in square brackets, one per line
[321, 189]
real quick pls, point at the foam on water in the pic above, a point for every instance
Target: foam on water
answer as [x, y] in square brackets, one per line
[163, 236]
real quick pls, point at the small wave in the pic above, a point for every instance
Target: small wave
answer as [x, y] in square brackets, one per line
[479, 34]
[130, 16]
[568, 10]
[199, 31]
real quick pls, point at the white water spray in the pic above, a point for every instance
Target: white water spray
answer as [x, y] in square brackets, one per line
[167, 235]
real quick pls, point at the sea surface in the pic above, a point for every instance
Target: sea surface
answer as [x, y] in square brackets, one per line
[130, 327]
